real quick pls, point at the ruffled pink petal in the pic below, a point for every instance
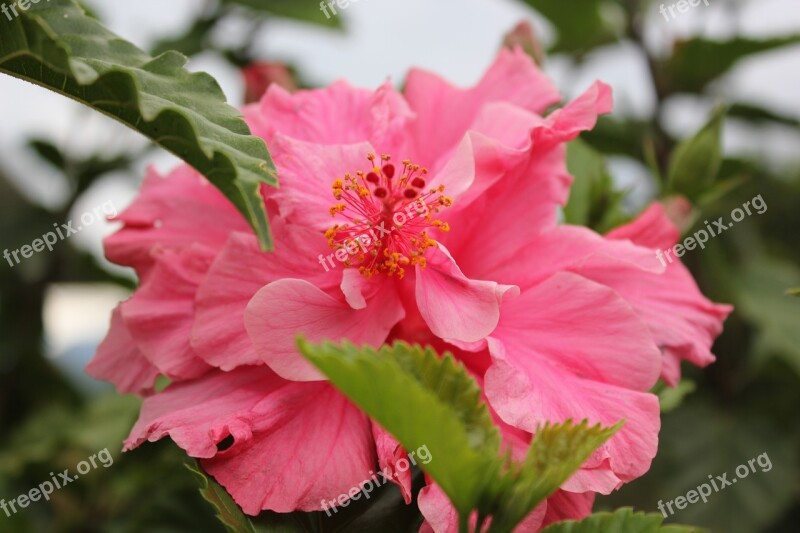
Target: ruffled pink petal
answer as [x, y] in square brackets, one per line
[172, 212]
[534, 379]
[608, 342]
[219, 336]
[390, 451]
[455, 307]
[338, 114]
[513, 78]
[565, 124]
[161, 312]
[293, 444]
[567, 247]
[441, 516]
[307, 171]
[495, 223]
[288, 308]
[682, 320]
[563, 505]
[119, 361]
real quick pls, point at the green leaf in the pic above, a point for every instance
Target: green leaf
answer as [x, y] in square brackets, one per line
[596, 23]
[555, 453]
[425, 400]
[762, 299]
[671, 398]
[697, 160]
[228, 512]
[593, 202]
[623, 520]
[302, 10]
[57, 46]
[793, 292]
[697, 62]
[757, 114]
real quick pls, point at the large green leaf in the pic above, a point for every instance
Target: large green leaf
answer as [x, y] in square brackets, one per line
[425, 400]
[623, 520]
[697, 62]
[697, 160]
[58, 46]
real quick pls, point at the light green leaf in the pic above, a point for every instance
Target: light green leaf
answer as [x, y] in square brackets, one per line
[425, 400]
[555, 453]
[696, 160]
[228, 512]
[593, 202]
[671, 398]
[623, 520]
[57, 46]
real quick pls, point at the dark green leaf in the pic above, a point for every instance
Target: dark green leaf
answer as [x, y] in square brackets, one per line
[697, 62]
[56, 45]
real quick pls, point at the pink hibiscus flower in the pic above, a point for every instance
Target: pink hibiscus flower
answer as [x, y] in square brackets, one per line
[428, 216]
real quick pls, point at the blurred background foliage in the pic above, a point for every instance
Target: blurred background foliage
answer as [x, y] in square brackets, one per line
[744, 405]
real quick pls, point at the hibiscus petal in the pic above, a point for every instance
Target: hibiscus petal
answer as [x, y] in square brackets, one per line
[441, 516]
[682, 320]
[219, 336]
[513, 78]
[556, 395]
[160, 314]
[390, 451]
[119, 361]
[307, 171]
[172, 212]
[534, 379]
[608, 342]
[502, 216]
[338, 114]
[563, 505]
[561, 248]
[284, 309]
[455, 307]
[294, 444]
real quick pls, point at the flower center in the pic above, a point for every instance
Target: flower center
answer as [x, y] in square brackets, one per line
[388, 215]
